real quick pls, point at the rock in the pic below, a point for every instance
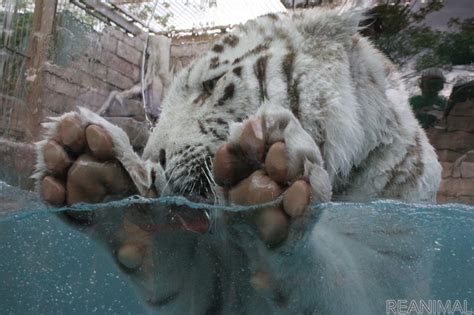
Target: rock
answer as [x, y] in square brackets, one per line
[448, 155]
[455, 169]
[470, 156]
[463, 109]
[443, 198]
[455, 141]
[464, 123]
[458, 187]
[460, 199]
[447, 169]
[455, 172]
[467, 171]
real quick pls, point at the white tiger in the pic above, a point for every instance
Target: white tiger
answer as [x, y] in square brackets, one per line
[340, 108]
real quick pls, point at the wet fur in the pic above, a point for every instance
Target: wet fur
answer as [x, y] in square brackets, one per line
[311, 67]
[346, 94]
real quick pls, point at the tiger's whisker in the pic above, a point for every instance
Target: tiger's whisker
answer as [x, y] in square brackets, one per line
[168, 181]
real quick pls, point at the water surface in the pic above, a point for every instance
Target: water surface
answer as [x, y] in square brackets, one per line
[48, 267]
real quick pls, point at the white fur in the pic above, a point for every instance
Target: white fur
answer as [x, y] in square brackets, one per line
[352, 103]
[351, 100]
[356, 139]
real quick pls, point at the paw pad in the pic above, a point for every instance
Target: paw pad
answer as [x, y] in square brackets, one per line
[79, 165]
[254, 168]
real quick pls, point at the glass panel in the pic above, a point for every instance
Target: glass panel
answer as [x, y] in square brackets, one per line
[193, 165]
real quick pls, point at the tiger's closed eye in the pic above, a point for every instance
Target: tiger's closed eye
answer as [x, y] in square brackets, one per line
[209, 85]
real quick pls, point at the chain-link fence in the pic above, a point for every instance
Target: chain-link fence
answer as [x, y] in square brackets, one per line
[72, 26]
[58, 36]
[16, 17]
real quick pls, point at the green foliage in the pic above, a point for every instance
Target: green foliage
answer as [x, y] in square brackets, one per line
[455, 47]
[401, 34]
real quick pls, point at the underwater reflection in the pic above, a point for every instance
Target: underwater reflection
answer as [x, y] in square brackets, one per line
[388, 249]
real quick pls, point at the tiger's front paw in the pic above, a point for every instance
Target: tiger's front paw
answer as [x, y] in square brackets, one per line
[85, 159]
[271, 156]
[77, 163]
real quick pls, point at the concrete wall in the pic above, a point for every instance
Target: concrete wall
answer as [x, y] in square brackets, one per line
[110, 61]
[183, 51]
[112, 65]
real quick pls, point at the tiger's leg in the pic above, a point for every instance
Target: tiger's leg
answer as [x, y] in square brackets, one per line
[86, 159]
[271, 156]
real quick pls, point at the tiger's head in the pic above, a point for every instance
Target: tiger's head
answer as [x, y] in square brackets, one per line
[273, 58]
[223, 86]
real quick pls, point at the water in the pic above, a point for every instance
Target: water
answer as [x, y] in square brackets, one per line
[48, 267]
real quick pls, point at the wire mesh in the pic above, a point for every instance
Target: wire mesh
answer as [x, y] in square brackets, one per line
[76, 10]
[16, 18]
